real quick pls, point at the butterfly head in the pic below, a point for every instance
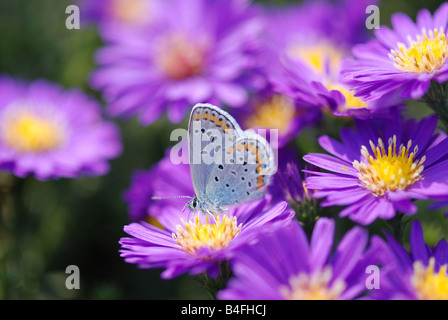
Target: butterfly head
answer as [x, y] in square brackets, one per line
[193, 204]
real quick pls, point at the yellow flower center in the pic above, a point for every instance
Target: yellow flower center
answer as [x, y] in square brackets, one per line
[195, 235]
[179, 58]
[389, 170]
[25, 131]
[351, 102]
[426, 54]
[276, 113]
[131, 11]
[323, 57]
[314, 286]
[429, 284]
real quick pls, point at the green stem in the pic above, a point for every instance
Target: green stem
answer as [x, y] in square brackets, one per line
[436, 99]
[306, 213]
[396, 227]
[213, 285]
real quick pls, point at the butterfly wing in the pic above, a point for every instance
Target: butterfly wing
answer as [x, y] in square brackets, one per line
[210, 129]
[243, 179]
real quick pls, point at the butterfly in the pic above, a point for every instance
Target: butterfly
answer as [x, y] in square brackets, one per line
[228, 166]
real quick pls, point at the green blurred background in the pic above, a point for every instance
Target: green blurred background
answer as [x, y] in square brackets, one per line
[46, 226]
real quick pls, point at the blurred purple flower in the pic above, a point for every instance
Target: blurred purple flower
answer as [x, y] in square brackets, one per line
[127, 13]
[163, 180]
[197, 51]
[271, 109]
[284, 265]
[52, 133]
[421, 275]
[307, 56]
[406, 161]
[404, 59]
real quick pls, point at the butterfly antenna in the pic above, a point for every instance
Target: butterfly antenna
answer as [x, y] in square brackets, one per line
[175, 197]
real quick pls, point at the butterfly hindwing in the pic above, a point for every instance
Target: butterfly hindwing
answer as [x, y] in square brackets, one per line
[243, 178]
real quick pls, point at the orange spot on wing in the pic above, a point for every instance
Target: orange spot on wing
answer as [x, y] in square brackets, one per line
[261, 186]
[230, 150]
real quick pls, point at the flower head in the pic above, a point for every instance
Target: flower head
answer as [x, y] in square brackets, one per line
[51, 132]
[404, 59]
[126, 13]
[310, 57]
[378, 169]
[284, 265]
[423, 274]
[163, 180]
[182, 241]
[196, 50]
[198, 244]
[272, 110]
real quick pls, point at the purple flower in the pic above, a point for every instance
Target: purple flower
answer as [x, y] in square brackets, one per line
[163, 180]
[404, 59]
[197, 244]
[310, 55]
[291, 184]
[128, 13]
[179, 240]
[420, 275]
[197, 51]
[284, 265]
[52, 133]
[379, 168]
[270, 110]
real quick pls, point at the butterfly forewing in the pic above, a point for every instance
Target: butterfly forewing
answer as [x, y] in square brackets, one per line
[210, 130]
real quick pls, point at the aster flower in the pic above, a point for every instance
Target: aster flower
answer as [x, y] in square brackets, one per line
[379, 168]
[271, 109]
[292, 187]
[163, 180]
[421, 274]
[311, 55]
[52, 133]
[198, 244]
[129, 13]
[404, 59]
[284, 265]
[197, 50]
[183, 241]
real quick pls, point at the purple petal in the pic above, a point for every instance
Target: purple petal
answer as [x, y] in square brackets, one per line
[321, 242]
[418, 246]
[331, 163]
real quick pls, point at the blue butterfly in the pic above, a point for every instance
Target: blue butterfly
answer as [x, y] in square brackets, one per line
[228, 165]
